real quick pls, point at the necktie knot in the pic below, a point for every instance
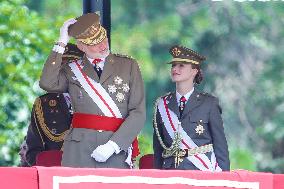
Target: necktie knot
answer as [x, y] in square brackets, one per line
[97, 60]
[182, 99]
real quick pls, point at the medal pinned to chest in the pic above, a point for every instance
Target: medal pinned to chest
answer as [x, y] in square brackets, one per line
[199, 127]
[119, 88]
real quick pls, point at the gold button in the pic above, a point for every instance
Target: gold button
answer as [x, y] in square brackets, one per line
[53, 63]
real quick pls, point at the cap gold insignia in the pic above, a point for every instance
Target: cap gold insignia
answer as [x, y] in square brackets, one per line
[52, 103]
[199, 128]
[176, 51]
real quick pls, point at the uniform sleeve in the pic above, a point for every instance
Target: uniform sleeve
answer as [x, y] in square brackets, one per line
[53, 77]
[135, 120]
[158, 149]
[34, 142]
[218, 136]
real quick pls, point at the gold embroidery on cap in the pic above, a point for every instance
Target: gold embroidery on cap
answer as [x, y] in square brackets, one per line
[176, 51]
[52, 103]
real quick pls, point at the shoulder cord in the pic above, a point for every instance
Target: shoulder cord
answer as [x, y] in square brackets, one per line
[45, 129]
[176, 140]
[43, 143]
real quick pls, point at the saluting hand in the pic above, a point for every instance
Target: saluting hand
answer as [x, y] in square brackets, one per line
[64, 37]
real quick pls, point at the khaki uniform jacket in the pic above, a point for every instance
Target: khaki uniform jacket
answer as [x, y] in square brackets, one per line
[80, 143]
[200, 106]
[50, 121]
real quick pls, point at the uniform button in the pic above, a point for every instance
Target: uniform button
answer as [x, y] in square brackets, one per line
[53, 63]
[100, 131]
[54, 122]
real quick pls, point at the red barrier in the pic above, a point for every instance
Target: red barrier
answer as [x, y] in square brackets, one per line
[16, 177]
[83, 178]
[278, 181]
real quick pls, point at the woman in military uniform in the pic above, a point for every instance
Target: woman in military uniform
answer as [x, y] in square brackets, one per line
[188, 127]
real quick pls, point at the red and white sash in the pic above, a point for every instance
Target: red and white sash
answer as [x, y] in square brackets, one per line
[96, 91]
[170, 120]
[100, 96]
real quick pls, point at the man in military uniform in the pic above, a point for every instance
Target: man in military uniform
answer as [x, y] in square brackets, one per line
[107, 96]
[50, 117]
[188, 127]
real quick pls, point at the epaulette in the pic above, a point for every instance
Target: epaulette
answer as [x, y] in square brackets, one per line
[167, 95]
[207, 94]
[79, 60]
[47, 95]
[123, 56]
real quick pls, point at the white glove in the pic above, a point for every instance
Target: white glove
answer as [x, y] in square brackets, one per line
[103, 152]
[64, 37]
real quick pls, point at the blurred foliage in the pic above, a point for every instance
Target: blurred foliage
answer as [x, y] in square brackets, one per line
[244, 66]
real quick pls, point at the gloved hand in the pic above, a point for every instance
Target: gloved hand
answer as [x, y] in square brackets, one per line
[64, 37]
[103, 152]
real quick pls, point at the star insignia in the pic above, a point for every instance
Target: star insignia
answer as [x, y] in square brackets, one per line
[125, 88]
[112, 88]
[120, 97]
[199, 128]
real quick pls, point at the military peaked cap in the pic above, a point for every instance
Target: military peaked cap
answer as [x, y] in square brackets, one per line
[88, 29]
[185, 55]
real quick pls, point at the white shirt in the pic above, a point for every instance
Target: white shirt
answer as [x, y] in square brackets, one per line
[187, 95]
[100, 64]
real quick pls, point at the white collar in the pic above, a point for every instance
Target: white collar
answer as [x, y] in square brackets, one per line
[100, 64]
[187, 95]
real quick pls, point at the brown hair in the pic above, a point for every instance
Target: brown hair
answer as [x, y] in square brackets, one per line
[199, 76]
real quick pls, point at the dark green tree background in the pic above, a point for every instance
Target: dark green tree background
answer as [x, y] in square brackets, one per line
[244, 66]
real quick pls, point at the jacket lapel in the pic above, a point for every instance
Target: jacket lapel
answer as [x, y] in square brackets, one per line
[108, 69]
[89, 69]
[193, 101]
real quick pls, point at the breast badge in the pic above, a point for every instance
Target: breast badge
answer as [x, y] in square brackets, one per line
[119, 88]
[52, 103]
[199, 128]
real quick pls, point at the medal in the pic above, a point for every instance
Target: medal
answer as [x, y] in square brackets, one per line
[199, 128]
